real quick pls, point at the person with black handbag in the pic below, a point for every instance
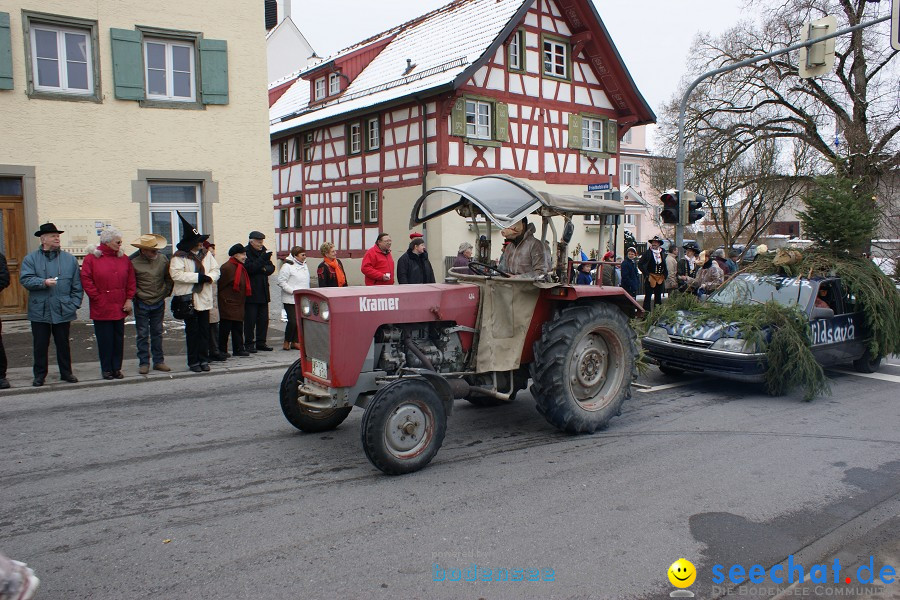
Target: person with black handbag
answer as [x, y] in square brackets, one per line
[193, 269]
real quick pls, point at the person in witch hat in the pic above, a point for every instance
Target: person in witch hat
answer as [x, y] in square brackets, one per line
[194, 269]
[52, 279]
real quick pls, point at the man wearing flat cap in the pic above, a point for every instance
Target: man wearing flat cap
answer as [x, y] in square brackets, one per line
[53, 281]
[154, 285]
[256, 309]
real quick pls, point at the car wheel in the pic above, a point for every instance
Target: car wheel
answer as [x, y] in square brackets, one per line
[867, 364]
[584, 366]
[403, 426]
[303, 418]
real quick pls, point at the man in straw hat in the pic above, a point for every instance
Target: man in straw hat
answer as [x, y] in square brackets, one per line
[154, 285]
[53, 281]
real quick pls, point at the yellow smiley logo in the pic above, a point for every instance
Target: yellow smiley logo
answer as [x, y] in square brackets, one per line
[682, 573]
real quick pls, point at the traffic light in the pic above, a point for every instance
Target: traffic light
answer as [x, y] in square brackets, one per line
[671, 209]
[817, 59]
[694, 203]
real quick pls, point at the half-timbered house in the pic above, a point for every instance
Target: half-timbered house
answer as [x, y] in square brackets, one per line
[530, 88]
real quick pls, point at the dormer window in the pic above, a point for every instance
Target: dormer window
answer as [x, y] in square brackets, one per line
[320, 88]
[334, 84]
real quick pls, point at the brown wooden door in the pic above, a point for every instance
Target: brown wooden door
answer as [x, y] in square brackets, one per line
[13, 300]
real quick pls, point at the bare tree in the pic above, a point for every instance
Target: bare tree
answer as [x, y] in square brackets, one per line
[844, 122]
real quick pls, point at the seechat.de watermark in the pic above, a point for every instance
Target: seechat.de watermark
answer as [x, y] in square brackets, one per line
[475, 572]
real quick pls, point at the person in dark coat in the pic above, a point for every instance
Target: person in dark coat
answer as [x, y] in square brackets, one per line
[233, 290]
[4, 283]
[631, 279]
[52, 279]
[414, 266]
[687, 266]
[653, 265]
[107, 276]
[464, 256]
[584, 275]
[330, 272]
[256, 311]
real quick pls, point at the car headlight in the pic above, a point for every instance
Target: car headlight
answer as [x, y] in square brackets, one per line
[730, 344]
[324, 311]
[305, 306]
[658, 333]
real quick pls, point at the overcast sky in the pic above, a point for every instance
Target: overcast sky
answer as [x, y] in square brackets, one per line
[653, 36]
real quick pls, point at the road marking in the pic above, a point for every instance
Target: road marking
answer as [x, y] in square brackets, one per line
[879, 376]
[666, 386]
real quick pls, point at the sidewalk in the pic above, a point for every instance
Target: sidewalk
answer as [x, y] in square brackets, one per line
[17, 340]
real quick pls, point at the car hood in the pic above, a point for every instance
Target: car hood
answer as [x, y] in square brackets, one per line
[694, 326]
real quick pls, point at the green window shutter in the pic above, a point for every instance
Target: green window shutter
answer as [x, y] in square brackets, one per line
[214, 71]
[458, 118]
[501, 122]
[575, 131]
[6, 74]
[612, 137]
[128, 64]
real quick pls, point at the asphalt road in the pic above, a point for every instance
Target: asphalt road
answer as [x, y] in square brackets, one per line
[200, 489]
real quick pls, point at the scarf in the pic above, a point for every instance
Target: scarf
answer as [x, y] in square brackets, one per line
[657, 254]
[198, 265]
[338, 271]
[239, 274]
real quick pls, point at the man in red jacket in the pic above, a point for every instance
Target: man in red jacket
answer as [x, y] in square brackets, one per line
[378, 264]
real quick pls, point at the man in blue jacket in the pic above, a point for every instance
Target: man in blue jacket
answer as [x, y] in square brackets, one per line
[53, 281]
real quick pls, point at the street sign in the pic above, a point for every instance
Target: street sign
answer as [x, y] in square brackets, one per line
[817, 59]
[598, 187]
[895, 25]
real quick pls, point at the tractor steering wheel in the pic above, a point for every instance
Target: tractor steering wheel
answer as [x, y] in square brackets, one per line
[487, 270]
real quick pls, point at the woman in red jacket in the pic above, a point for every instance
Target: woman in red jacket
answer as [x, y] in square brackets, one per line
[107, 276]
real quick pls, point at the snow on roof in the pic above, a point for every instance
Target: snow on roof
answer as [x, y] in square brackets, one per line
[441, 45]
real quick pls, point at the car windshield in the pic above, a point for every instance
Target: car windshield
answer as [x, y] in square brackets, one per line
[747, 288]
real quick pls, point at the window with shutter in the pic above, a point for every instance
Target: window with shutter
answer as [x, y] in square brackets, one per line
[214, 71]
[6, 74]
[128, 64]
[61, 59]
[575, 130]
[612, 137]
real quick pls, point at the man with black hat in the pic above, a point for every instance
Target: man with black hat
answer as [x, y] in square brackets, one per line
[687, 266]
[256, 310]
[53, 281]
[653, 265]
[194, 270]
[414, 266]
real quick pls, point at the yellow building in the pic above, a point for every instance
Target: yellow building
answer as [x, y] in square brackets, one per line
[120, 112]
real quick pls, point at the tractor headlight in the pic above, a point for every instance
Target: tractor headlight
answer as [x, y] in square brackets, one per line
[324, 311]
[658, 333]
[730, 344]
[305, 306]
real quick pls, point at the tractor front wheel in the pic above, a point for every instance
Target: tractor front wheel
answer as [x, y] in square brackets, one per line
[583, 368]
[306, 419]
[403, 426]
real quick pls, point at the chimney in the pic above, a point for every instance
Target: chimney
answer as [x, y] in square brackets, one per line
[313, 60]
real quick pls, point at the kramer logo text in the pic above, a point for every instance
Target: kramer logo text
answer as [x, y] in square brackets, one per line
[371, 304]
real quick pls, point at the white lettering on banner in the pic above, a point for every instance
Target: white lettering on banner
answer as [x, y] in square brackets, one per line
[824, 332]
[373, 304]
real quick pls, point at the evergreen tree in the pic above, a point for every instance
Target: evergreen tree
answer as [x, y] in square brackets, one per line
[838, 217]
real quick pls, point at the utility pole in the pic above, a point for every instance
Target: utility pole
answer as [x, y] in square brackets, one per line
[679, 155]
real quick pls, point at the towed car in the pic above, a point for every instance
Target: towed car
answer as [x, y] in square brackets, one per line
[691, 343]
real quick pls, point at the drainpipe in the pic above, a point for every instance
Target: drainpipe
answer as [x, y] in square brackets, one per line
[424, 156]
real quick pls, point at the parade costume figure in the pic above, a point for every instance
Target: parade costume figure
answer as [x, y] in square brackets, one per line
[653, 267]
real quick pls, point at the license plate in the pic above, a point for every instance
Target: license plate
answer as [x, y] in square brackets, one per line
[319, 368]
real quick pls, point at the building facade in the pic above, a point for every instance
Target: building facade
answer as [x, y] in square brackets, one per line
[533, 89]
[120, 113]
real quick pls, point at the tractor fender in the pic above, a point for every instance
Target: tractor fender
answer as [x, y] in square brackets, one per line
[441, 386]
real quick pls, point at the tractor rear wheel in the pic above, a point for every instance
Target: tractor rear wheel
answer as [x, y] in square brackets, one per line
[403, 426]
[306, 419]
[583, 368]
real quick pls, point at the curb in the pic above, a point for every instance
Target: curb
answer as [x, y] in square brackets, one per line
[131, 379]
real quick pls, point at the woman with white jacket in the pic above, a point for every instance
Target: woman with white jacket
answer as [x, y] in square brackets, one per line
[194, 270]
[294, 275]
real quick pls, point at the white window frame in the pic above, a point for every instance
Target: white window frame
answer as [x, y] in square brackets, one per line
[170, 44]
[629, 219]
[631, 174]
[592, 134]
[372, 197]
[284, 153]
[354, 138]
[62, 59]
[626, 139]
[515, 54]
[334, 84]
[478, 128]
[355, 212]
[557, 49]
[319, 85]
[173, 207]
[373, 134]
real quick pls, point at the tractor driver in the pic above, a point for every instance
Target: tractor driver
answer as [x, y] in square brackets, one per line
[524, 254]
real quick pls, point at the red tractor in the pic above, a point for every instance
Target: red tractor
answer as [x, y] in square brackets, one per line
[404, 353]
